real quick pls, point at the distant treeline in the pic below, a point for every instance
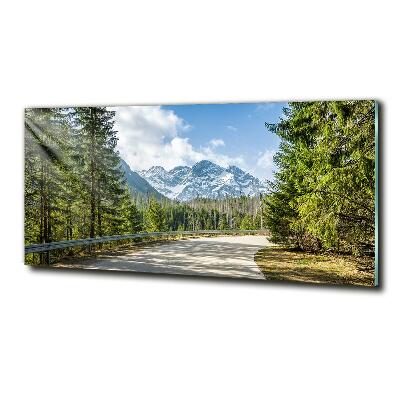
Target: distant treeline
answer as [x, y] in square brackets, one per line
[75, 188]
[322, 197]
[200, 214]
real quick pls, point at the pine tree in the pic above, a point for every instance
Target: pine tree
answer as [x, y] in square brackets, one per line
[155, 217]
[74, 187]
[222, 224]
[102, 183]
[246, 223]
[323, 193]
[46, 148]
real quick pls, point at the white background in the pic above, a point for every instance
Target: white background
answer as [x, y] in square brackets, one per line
[71, 335]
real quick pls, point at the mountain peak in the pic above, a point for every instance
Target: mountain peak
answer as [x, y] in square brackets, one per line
[179, 168]
[204, 163]
[157, 168]
[203, 166]
[204, 179]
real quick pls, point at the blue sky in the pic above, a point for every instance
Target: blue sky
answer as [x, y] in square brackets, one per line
[227, 134]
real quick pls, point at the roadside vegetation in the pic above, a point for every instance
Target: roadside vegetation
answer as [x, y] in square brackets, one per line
[322, 198]
[290, 264]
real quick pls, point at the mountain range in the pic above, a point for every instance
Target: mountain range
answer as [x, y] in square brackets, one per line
[137, 184]
[204, 179]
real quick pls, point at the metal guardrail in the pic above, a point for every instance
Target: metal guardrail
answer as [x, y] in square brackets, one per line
[43, 247]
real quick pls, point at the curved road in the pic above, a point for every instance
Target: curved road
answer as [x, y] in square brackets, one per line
[226, 256]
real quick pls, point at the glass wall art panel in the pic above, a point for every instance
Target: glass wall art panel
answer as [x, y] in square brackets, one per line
[273, 191]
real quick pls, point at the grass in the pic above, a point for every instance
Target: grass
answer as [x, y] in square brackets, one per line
[287, 264]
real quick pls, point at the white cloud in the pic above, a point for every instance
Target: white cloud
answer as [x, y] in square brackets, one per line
[222, 159]
[265, 165]
[231, 128]
[267, 159]
[150, 135]
[216, 142]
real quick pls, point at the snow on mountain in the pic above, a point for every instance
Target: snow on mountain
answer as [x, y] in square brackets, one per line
[138, 185]
[205, 179]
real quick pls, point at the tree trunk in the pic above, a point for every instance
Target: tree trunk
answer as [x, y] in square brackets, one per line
[41, 232]
[92, 176]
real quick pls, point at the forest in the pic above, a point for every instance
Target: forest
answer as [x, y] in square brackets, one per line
[323, 194]
[75, 188]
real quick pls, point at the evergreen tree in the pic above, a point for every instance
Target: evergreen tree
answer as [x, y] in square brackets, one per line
[132, 220]
[323, 194]
[246, 223]
[102, 182]
[45, 151]
[154, 216]
[222, 224]
[74, 187]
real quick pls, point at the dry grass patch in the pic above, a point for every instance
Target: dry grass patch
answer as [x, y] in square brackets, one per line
[285, 264]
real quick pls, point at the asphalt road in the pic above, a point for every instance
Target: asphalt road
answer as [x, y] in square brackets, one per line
[226, 257]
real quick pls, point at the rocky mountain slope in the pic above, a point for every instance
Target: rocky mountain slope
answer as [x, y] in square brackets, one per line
[137, 184]
[204, 179]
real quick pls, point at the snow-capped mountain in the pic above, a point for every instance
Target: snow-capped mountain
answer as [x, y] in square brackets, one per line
[205, 179]
[137, 184]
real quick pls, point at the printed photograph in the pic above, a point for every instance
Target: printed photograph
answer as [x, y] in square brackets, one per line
[274, 191]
